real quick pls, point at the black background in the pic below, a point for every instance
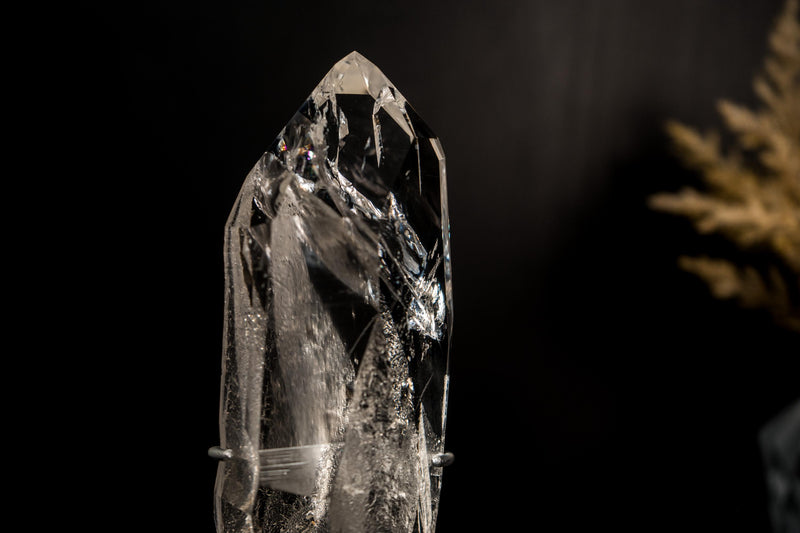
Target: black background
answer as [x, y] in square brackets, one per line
[594, 384]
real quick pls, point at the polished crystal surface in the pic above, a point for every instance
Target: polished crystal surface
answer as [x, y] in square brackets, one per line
[338, 318]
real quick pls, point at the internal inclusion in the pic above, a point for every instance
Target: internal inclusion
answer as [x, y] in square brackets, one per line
[338, 317]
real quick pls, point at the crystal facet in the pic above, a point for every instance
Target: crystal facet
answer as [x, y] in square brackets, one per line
[338, 319]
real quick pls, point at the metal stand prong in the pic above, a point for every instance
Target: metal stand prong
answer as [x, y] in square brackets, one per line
[215, 452]
[443, 459]
[221, 454]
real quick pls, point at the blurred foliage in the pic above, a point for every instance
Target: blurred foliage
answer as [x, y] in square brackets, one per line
[751, 190]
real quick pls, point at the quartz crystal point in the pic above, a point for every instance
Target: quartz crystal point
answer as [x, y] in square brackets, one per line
[337, 318]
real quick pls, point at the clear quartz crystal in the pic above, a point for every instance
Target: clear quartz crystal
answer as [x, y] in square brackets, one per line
[338, 316]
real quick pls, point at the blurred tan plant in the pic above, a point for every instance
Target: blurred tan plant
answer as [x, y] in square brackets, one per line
[752, 194]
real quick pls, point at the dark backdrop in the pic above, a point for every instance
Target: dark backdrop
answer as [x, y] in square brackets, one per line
[594, 384]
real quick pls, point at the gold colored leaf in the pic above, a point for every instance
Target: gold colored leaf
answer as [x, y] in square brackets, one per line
[752, 201]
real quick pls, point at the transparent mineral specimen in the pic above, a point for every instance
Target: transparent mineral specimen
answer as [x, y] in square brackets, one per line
[338, 319]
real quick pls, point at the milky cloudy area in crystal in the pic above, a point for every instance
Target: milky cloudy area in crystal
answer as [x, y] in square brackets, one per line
[338, 316]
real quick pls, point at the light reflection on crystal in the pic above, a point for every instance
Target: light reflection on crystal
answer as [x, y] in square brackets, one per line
[338, 316]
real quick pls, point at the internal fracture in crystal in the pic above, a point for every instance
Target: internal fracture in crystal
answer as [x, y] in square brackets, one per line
[338, 319]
